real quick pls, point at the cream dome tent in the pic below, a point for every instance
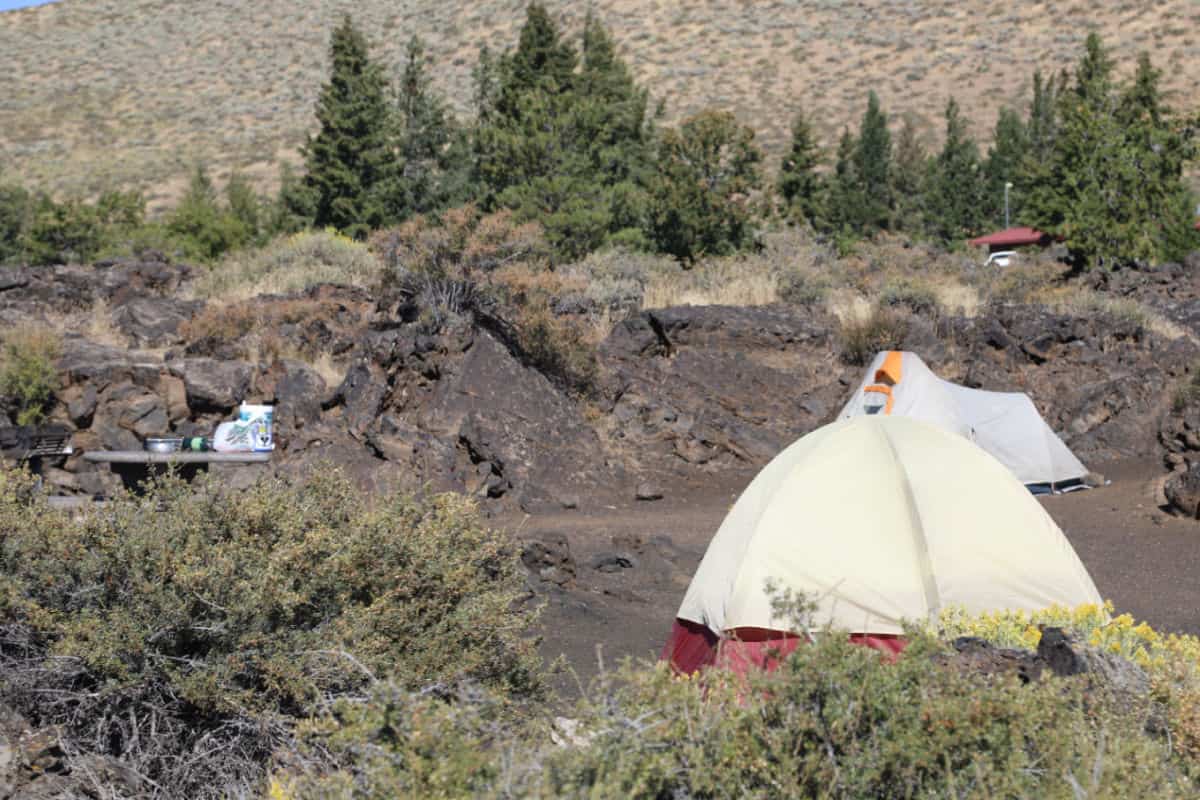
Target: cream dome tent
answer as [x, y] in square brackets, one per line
[1006, 424]
[879, 520]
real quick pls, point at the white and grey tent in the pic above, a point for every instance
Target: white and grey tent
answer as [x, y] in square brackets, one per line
[1005, 424]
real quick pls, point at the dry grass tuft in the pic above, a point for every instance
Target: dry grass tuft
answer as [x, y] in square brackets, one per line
[860, 337]
[728, 282]
[290, 264]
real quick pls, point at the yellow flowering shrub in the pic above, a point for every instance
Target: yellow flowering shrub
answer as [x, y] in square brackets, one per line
[1171, 661]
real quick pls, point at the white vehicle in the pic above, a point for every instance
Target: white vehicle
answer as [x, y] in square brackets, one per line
[1000, 258]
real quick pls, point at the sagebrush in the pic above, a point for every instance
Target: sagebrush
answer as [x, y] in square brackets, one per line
[187, 631]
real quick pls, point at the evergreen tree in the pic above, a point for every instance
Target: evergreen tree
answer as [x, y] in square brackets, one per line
[350, 163]
[799, 184]
[1142, 100]
[1043, 121]
[70, 232]
[570, 148]
[1113, 187]
[542, 61]
[908, 178]
[953, 200]
[1005, 164]
[295, 205]
[699, 200]
[202, 228]
[860, 199]
[16, 206]
[432, 150]
[873, 163]
[245, 209]
[844, 198]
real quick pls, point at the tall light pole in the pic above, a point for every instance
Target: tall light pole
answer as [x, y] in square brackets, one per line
[1007, 186]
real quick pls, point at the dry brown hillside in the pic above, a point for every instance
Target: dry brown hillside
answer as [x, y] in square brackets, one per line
[100, 93]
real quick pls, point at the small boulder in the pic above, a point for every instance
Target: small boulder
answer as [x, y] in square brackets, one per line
[549, 559]
[648, 491]
[213, 385]
[154, 321]
[1182, 491]
[612, 562]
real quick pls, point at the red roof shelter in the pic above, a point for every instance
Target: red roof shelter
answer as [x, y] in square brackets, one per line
[1012, 237]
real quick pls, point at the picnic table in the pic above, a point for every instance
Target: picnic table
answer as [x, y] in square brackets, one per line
[135, 466]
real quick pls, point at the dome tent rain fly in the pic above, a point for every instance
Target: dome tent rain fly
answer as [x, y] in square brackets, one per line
[879, 520]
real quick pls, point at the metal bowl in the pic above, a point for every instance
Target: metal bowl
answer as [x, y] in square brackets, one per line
[164, 445]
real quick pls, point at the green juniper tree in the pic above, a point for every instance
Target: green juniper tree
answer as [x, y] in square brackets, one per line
[860, 200]
[844, 197]
[294, 208]
[201, 227]
[1113, 185]
[708, 167]
[953, 200]
[16, 205]
[245, 209]
[1005, 162]
[564, 138]
[70, 232]
[432, 150]
[873, 163]
[910, 166]
[799, 183]
[350, 161]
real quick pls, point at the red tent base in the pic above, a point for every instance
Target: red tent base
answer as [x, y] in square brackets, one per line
[692, 646]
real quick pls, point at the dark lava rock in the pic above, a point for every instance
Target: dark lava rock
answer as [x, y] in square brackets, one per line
[298, 394]
[549, 558]
[1183, 491]
[154, 321]
[508, 415]
[612, 562]
[716, 386]
[87, 362]
[362, 392]
[1058, 652]
[213, 385]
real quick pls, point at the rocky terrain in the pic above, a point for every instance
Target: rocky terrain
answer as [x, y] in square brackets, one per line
[682, 392]
[614, 493]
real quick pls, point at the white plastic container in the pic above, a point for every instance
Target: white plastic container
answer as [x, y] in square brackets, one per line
[261, 419]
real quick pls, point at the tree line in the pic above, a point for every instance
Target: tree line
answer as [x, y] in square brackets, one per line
[563, 135]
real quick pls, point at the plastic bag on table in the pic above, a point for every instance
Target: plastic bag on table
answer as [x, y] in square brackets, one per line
[234, 437]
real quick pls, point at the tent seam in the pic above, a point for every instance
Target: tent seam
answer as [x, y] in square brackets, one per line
[925, 561]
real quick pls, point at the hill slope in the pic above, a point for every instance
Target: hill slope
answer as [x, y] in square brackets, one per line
[100, 93]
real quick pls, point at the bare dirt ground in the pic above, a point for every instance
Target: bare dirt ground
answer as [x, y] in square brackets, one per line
[633, 563]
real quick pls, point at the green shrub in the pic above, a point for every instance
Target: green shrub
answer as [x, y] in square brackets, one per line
[555, 347]
[291, 263]
[917, 296]
[187, 630]
[70, 232]
[15, 208]
[836, 720]
[799, 288]
[1187, 393]
[1023, 281]
[28, 374]
[396, 743]
[1171, 661]
[862, 337]
[616, 278]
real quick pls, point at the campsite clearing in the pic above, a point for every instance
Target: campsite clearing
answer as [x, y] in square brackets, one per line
[1143, 560]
